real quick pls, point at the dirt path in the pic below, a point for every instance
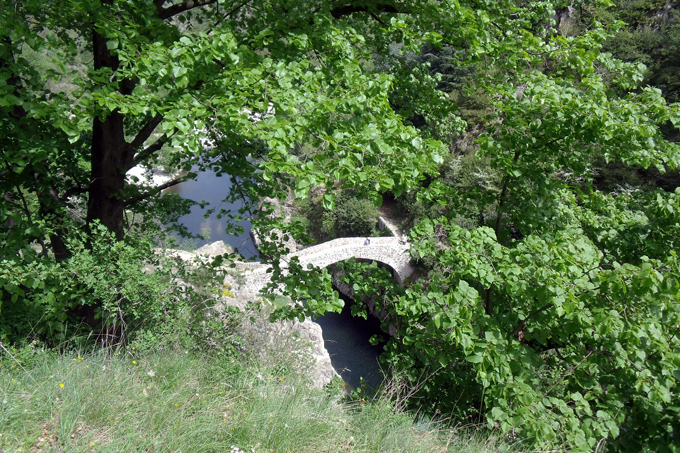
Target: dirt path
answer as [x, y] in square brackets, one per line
[387, 214]
[389, 224]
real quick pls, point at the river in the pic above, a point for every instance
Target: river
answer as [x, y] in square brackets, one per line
[346, 340]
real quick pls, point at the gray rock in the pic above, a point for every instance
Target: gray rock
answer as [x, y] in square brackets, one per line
[324, 372]
[214, 249]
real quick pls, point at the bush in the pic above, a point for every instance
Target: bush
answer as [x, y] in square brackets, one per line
[106, 291]
[351, 216]
[355, 217]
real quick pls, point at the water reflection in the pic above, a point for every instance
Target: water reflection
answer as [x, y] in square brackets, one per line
[213, 189]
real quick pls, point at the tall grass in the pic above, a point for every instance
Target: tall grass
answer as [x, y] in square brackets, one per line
[176, 400]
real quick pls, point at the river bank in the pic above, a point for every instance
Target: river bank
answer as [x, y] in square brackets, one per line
[154, 177]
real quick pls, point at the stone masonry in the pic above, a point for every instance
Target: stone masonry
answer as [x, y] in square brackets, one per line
[386, 250]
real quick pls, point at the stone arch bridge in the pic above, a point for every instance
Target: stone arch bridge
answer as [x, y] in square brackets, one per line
[386, 250]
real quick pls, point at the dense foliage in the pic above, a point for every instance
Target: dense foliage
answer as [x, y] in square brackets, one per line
[351, 215]
[550, 299]
[650, 35]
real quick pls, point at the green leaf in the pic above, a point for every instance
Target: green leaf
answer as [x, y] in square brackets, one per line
[474, 358]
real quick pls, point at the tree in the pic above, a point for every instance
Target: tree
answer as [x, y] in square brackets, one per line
[148, 76]
[649, 35]
[252, 79]
[559, 319]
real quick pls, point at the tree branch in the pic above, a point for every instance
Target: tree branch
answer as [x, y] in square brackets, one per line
[233, 10]
[173, 10]
[537, 311]
[226, 15]
[146, 131]
[346, 10]
[14, 79]
[377, 19]
[149, 150]
[74, 190]
[46, 203]
[155, 190]
[502, 197]
[27, 211]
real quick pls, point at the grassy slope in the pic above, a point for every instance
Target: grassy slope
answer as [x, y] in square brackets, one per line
[182, 401]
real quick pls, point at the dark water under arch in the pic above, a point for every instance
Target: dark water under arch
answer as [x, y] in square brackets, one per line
[346, 339]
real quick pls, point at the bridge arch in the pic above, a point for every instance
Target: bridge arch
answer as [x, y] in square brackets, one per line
[386, 250]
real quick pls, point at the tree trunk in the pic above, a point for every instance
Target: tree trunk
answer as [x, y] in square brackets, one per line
[111, 156]
[105, 201]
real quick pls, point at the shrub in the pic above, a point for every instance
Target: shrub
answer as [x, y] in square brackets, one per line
[351, 216]
[105, 291]
[355, 216]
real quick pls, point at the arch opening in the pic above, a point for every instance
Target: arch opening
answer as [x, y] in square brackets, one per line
[346, 337]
